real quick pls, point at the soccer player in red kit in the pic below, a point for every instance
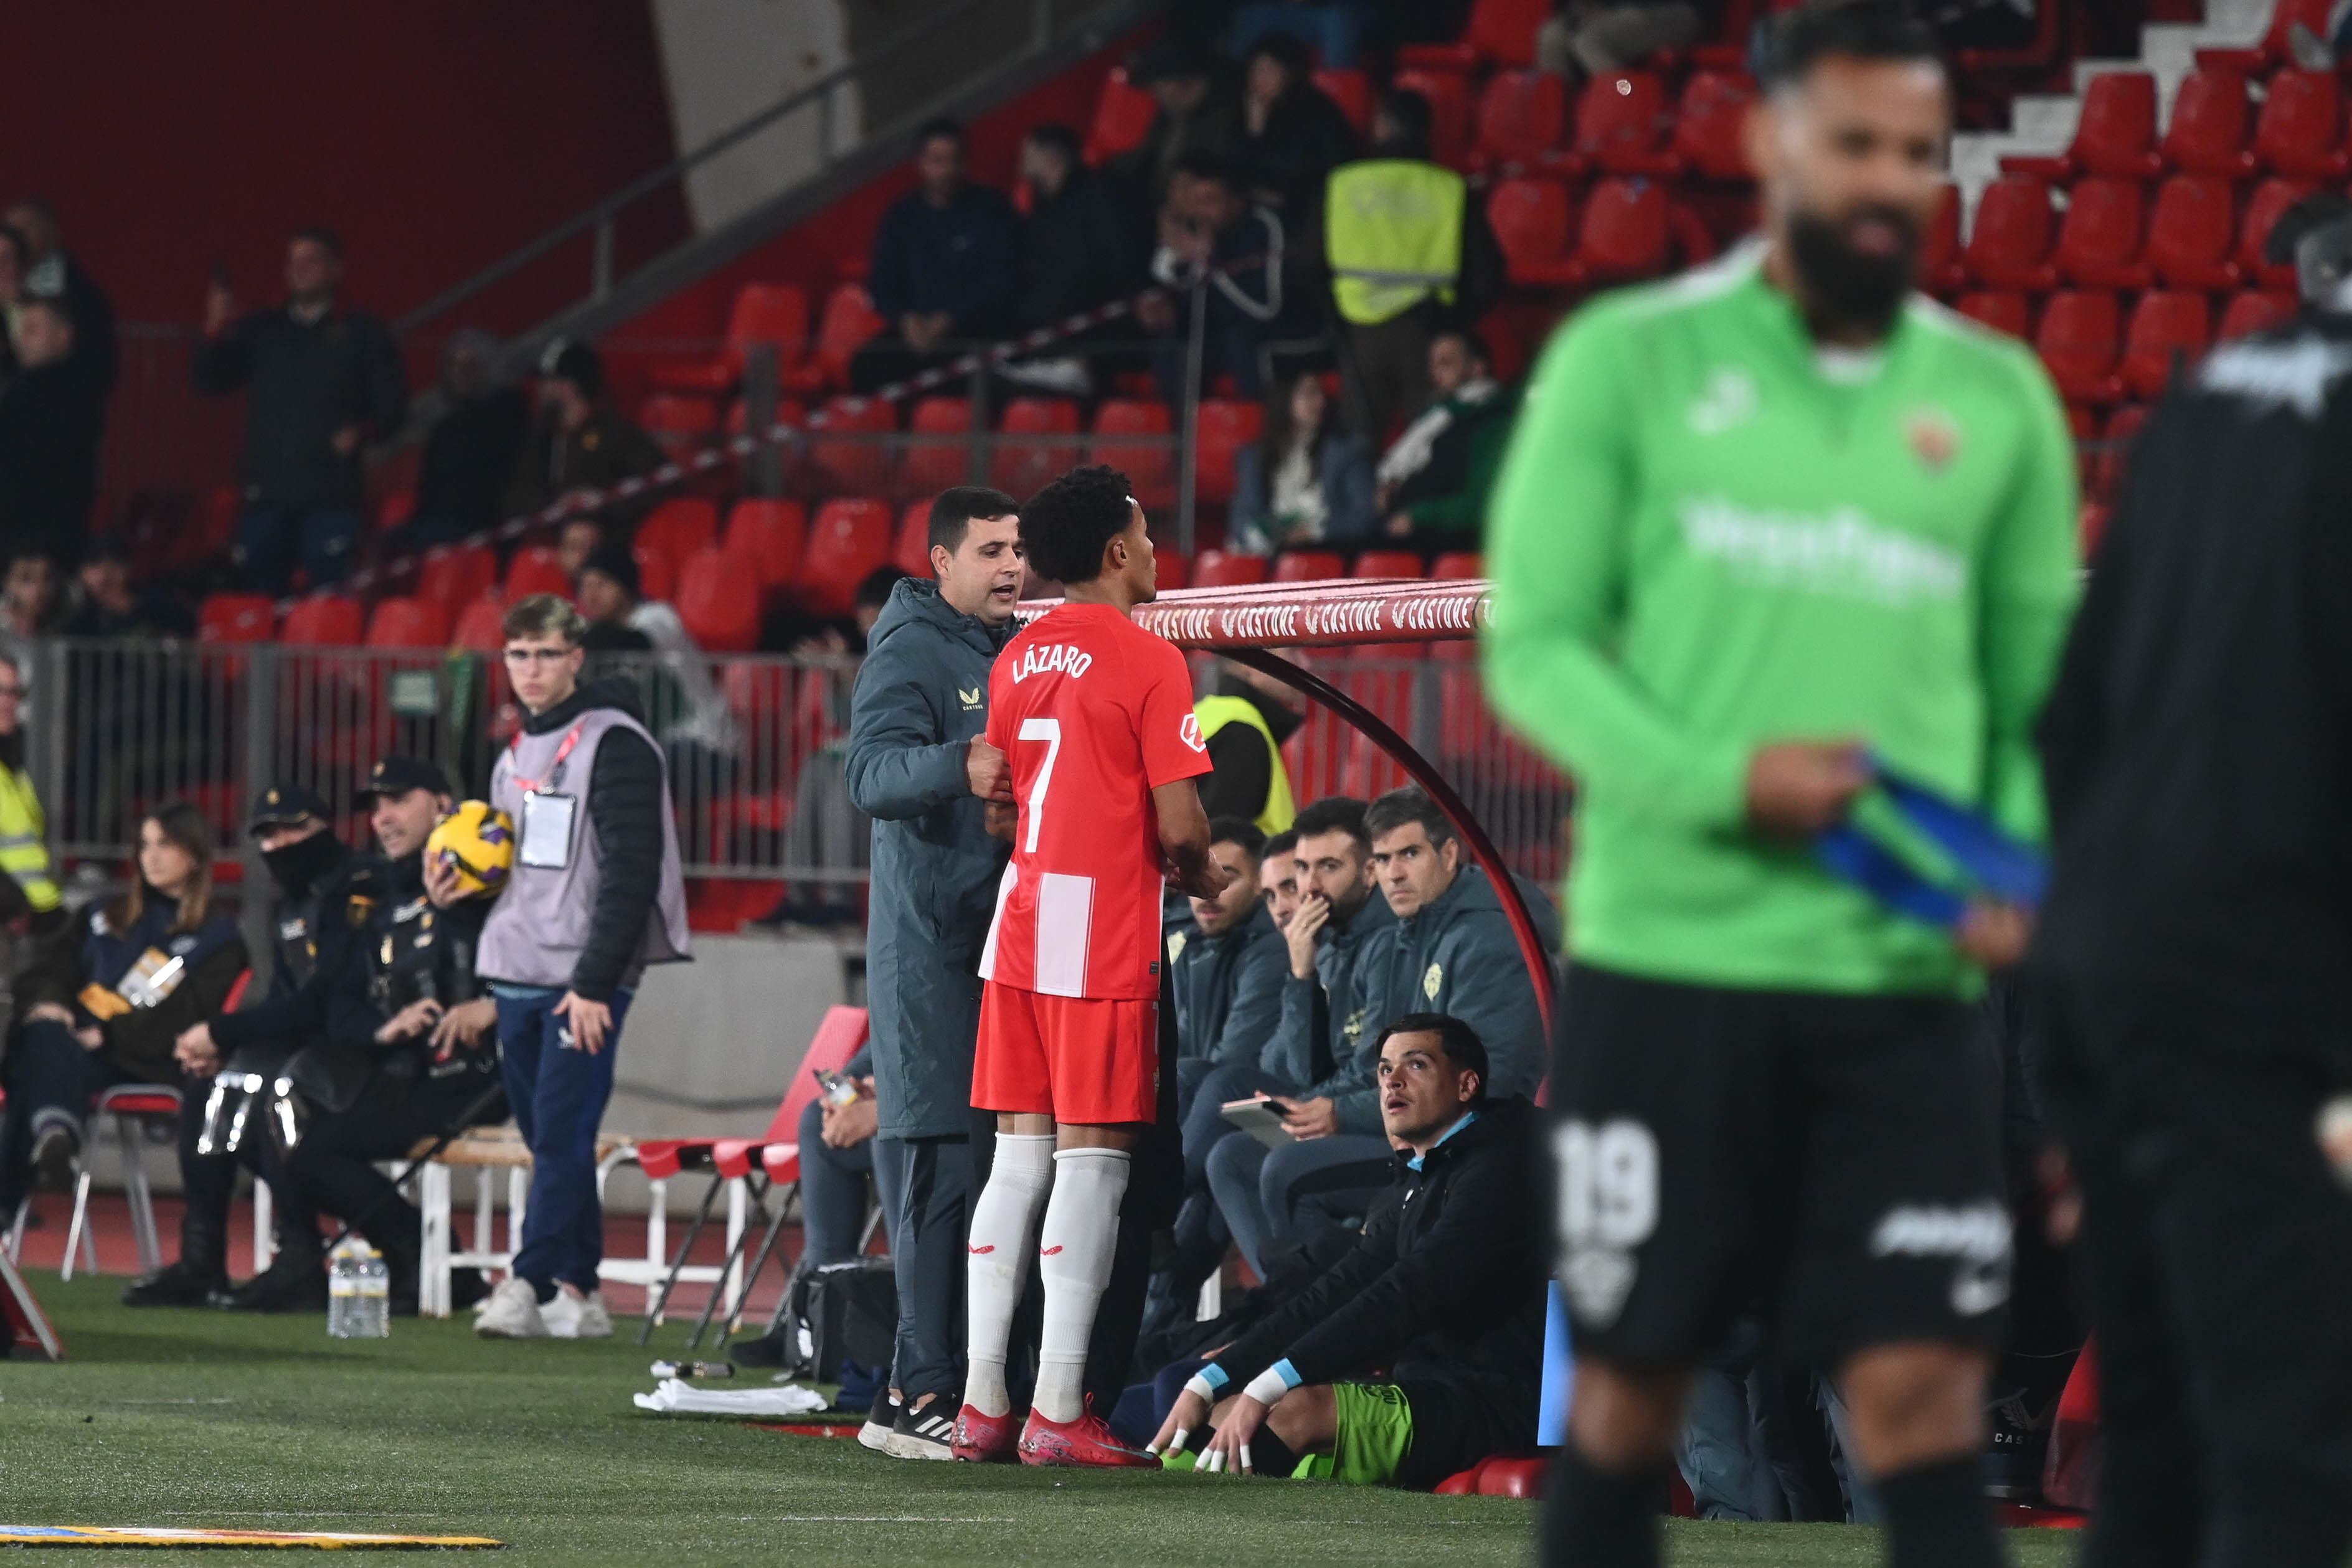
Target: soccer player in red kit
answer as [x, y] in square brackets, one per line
[1088, 764]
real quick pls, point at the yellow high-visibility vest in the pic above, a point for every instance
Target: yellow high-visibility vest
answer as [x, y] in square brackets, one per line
[25, 841]
[1392, 234]
[1214, 713]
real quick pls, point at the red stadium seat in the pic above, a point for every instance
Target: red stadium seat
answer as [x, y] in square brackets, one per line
[2167, 329]
[536, 570]
[1449, 112]
[2115, 443]
[679, 526]
[1503, 31]
[409, 622]
[2253, 310]
[1169, 566]
[2003, 312]
[1458, 566]
[657, 572]
[2077, 341]
[848, 539]
[1621, 124]
[480, 628]
[2211, 119]
[2192, 233]
[1123, 116]
[2115, 135]
[1225, 426]
[1387, 563]
[2099, 245]
[1022, 471]
[2301, 131]
[237, 617]
[2009, 247]
[1710, 125]
[2276, 49]
[1151, 470]
[1352, 92]
[848, 322]
[2270, 200]
[677, 422]
[775, 313]
[1309, 566]
[324, 620]
[718, 602]
[766, 536]
[1624, 231]
[1940, 267]
[1216, 569]
[396, 508]
[845, 458]
[1521, 116]
[455, 574]
[935, 467]
[910, 551]
[1534, 226]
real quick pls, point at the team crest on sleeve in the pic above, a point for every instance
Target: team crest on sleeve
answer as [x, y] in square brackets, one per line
[1190, 732]
[1433, 982]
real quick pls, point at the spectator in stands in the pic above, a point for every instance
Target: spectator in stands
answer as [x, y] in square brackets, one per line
[469, 453]
[1420, 1352]
[1596, 38]
[580, 444]
[1433, 480]
[1292, 135]
[947, 266]
[836, 1157]
[595, 897]
[578, 539]
[692, 719]
[320, 382]
[12, 294]
[31, 605]
[29, 899]
[48, 434]
[1200, 111]
[1305, 481]
[110, 608]
[150, 964]
[1409, 252]
[52, 272]
[1086, 242]
[1317, 1060]
[1244, 722]
[1217, 250]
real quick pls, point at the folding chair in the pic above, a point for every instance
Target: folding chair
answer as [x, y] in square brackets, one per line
[127, 1104]
[729, 1158]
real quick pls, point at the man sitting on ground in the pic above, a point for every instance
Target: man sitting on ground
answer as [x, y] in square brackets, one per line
[1444, 1289]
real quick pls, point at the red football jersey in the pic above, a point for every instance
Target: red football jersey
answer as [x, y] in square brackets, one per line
[1093, 713]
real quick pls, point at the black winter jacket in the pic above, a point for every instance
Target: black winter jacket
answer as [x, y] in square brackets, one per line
[303, 382]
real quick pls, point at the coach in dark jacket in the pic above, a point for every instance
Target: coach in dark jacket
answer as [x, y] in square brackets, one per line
[921, 697]
[1438, 1309]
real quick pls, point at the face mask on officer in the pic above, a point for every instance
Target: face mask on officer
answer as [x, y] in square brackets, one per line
[294, 866]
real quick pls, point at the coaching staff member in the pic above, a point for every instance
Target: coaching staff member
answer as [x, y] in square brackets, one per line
[921, 697]
[2199, 936]
[1825, 515]
[595, 895]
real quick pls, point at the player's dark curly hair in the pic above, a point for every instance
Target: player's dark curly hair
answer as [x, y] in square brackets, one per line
[1066, 527]
[1882, 30]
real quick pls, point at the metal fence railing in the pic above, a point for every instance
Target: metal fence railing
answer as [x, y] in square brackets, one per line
[754, 741]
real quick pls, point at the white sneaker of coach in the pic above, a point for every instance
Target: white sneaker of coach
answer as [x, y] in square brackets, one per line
[512, 1312]
[571, 1317]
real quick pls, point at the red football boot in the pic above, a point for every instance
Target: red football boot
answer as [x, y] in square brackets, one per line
[984, 1439]
[1084, 1442]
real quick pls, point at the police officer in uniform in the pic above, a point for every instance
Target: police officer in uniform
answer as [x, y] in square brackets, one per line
[241, 1052]
[406, 1054]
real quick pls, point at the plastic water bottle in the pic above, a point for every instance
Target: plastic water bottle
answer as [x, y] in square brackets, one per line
[343, 1290]
[372, 1311]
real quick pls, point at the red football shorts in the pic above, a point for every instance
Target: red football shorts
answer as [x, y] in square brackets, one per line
[1079, 1059]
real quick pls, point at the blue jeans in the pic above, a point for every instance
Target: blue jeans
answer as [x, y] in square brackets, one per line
[271, 540]
[1295, 1193]
[558, 1092]
[51, 1080]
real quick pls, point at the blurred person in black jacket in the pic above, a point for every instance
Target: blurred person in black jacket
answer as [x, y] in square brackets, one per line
[579, 444]
[1292, 135]
[1086, 242]
[1200, 111]
[470, 452]
[946, 265]
[52, 272]
[49, 434]
[321, 381]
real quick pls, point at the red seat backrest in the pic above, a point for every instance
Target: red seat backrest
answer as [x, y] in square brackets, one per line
[2263, 209]
[664, 414]
[409, 622]
[2011, 238]
[324, 620]
[1458, 566]
[2077, 338]
[1151, 468]
[847, 539]
[657, 572]
[936, 466]
[775, 313]
[1710, 124]
[1123, 116]
[2168, 327]
[1624, 232]
[2192, 225]
[455, 574]
[849, 319]
[1216, 569]
[1940, 247]
[2116, 132]
[1309, 566]
[2104, 229]
[2003, 312]
[2209, 121]
[718, 601]
[2253, 310]
[1530, 220]
[1226, 425]
[237, 617]
[1387, 564]
[1352, 92]
[2301, 129]
[911, 550]
[536, 570]
[1521, 116]
[1021, 471]
[1620, 118]
[766, 535]
[480, 628]
[1505, 31]
[1449, 112]
[679, 526]
[838, 461]
[396, 508]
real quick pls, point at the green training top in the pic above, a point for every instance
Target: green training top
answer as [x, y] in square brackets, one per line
[1712, 532]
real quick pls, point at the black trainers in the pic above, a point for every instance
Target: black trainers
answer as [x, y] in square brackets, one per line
[881, 1423]
[295, 1283]
[764, 1352]
[56, 1156]
[180, 1284]
[924, 1432]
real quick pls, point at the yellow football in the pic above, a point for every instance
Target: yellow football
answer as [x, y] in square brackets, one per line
[477, 840]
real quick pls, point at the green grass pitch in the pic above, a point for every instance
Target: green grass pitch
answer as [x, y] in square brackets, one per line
[194, 1419]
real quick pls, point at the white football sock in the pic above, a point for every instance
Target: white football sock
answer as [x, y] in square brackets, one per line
[1074, 1253]
[1003, 1229]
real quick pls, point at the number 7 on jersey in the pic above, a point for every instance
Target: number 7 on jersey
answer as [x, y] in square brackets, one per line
[1050, 732]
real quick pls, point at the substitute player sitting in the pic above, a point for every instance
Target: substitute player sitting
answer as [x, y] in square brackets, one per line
[1089, 762]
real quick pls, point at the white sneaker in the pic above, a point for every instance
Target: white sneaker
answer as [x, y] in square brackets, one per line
[571, 1317]
[512, 1312]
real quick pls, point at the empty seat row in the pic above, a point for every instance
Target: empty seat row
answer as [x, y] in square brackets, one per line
[776, 314]
[2195, 235]
[2098, 356]
[1623, 125]
[1624, 229]
[2215, 128]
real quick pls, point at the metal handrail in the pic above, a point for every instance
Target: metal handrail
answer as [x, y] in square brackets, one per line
[599, 216]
